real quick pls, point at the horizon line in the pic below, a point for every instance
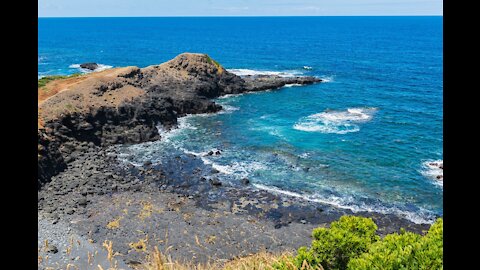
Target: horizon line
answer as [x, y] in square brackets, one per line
[239, 16]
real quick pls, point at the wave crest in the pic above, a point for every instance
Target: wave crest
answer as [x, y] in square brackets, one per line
[339, 122]
[354, 204]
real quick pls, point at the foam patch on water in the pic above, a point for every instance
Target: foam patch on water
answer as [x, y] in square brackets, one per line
[339, 122]
[292, 85]
[246, 72]
[100, 67]
[307, 67]
[228, 109]
[271, 130]
[182, 125]
[228, 96]
[419, 216]
[433, 169]
[326, 79]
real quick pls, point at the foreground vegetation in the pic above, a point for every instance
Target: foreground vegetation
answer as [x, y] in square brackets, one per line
[350, 243]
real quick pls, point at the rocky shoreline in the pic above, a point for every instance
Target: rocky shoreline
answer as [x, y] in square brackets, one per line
[178, 205]
[101, 199]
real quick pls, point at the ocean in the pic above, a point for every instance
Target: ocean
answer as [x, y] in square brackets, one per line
[360, 140]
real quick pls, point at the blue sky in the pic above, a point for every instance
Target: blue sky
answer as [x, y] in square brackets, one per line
[132, 8]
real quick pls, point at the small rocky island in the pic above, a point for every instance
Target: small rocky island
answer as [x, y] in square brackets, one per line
[89, 66]
[91, 207]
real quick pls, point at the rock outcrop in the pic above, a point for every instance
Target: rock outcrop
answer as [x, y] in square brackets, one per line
[90, 66]
[125, 105]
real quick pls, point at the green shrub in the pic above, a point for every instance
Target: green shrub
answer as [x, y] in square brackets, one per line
[333, 247]
[351, 243]
[404, 251]
[43, 81]
[212, 61]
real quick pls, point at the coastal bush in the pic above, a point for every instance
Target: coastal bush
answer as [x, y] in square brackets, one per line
[351, 243]
[404, 251]
[333, 247]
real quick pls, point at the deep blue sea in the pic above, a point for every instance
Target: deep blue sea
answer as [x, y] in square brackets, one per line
[360, 140]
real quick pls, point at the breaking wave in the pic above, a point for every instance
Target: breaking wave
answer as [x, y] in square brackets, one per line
[355, 204]
[339, 122]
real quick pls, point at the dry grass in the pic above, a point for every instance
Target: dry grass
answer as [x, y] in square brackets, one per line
[49, 87]
[140, 246]
[260, 261]
[114, 224]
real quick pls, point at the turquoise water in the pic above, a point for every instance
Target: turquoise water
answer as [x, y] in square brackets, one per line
[359, 140]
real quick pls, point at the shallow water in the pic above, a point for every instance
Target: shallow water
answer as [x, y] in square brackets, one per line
[360, 140]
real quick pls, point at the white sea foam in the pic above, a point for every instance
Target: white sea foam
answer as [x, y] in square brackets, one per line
[228, 109]
[239, 169]
[339, 122]
[100, 67]
[305, 155]
[230, 96]
[326, 79]
[433, 169]
[292, 85]
[422, 216]
[251, 72]
[307, 67]
[183, 124]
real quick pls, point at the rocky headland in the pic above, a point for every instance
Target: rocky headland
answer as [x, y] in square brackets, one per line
[87, 198]
[125, 105]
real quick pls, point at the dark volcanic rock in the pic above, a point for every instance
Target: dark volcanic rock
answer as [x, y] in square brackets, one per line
[266, 82]
[90, 66]
[245, 181]
[127, 108]
[215, 182]
[52, 249]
